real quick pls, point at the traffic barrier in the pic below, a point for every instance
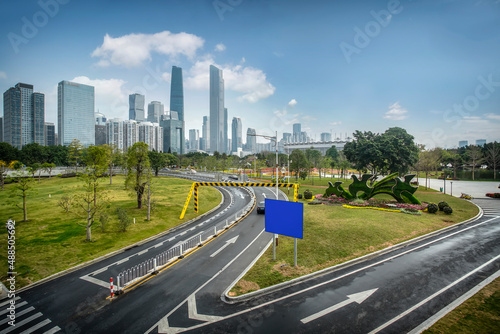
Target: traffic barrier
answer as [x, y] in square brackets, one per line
[111, 282]
[154, 264]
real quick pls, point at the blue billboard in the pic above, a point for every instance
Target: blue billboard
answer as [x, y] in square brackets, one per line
[285, 218]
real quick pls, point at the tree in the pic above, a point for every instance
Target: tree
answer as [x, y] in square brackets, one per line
[314, 157]
[157, 161]
[429, 161]
[9, 152]
[493, 157]
[343, 164]
[33, 153]
[333, 153]
[23, 187]
[4, 166]
[475, 157]
[399, 150]
[298, 163]
[48, 166]
[58, 155]
[75, 153]
[364, 152]
[137, 169]
[35, 168]
[93, 198]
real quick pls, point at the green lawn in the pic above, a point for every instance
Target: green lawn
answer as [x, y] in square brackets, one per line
[334, 234]
[53, 240]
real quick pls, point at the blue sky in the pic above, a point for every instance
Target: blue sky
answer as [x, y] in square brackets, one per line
[431, 67]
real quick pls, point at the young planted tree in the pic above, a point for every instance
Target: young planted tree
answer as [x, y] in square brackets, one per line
[4, 166]
[157, 160]
[138, 169]
[475, 157]
[23, 187]
[493, 157]
[75, 153]
[48, 166]
[92, 200]
[298, 163]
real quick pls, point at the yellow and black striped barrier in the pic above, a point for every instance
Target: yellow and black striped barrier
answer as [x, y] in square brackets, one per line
[195, 185]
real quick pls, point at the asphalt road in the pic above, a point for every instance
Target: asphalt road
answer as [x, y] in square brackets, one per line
[402, 290]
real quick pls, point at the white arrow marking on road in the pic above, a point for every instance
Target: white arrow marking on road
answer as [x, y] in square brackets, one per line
[230, 241]
[193, 311]
[264, 194]
[357, 297]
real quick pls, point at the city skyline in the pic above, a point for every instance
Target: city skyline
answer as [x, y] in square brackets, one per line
[430, 67]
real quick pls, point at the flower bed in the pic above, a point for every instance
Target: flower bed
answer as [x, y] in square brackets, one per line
[493, 195]
[378, 203]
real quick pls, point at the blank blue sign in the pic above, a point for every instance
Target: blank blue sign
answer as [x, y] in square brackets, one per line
[285, 218]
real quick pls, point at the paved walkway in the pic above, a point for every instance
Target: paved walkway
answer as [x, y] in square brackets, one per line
[476, 189]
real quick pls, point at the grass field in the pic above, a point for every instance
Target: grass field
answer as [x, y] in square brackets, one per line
[53, 240]
[478, 314]
[334, 234]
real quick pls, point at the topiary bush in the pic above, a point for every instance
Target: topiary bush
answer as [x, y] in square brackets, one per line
[448, 210]
[299, 196]
[308, 194]
[432, 208]
[442, 205]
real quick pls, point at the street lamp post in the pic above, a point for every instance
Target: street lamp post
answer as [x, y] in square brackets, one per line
[451, 190]
[275, 139]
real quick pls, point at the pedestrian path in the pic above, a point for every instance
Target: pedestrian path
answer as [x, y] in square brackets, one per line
[27, 319]
[490, 206]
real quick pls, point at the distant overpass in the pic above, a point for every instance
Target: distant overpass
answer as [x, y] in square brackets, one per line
[321, 146]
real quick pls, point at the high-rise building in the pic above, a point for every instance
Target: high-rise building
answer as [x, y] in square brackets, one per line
[151, 134]
[287, 137]
[297, 133]
[194, 140]
[155, 111]
[136, 107]
[463, 143]
[173, 138]
[251, 141]
[1, 129]
[100, 119]
[205, 134]
[130, 133]
[24, 116]
[114, 132]
[326, 137]
[227, 145]
[217, 139]
[236, 134]
[75, 113]
[50, 134]
[100, 135]
[175, 123]
[480, 142]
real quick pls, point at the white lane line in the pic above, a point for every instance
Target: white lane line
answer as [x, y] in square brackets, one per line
[18, 314]
[6, 310]
[100, 271]
[171, 238]
[182, 233]
[95, 281]
[19, 324]
[432, 320]
[122, 261]
[37, 326]
[53, 330]
[8, 301]
[158, 245]
[143, 252]
[411, 309]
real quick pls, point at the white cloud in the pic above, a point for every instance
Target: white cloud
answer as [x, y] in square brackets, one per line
[110, 97]
[249, 81]
[335, 123]
[292, 103]
[3, 75]
[494, 117]
[396, 112]
[166, 76]
[220, 47]
[135, 49]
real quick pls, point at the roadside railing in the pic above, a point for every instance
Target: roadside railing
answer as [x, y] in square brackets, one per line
[156, 263]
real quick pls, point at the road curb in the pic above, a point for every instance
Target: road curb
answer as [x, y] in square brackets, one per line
[106, 256]
[232, 300]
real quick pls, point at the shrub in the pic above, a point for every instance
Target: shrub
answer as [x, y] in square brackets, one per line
[308, 194]
[493, 195]
[448, 210]
[123, 218]
[314, 202]
[432, 208]
[410, 211]
[65, 202]
[442, 205]
[299, 196]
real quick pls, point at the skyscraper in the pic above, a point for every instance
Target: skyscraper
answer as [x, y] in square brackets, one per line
[205, 133]
[480, 142]
[297, 133]
[236, 134]
[194, 139]
[174, 138]
[155, 111]
[75, 113]
[463, 143]
[326, 137]
[217, 142]
[136, 107]
[24, 116]
[251, 140]
[50, 134]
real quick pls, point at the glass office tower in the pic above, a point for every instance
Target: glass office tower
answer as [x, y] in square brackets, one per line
[75, 113]
[236, 134]
[217, 138]
[136, 107]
